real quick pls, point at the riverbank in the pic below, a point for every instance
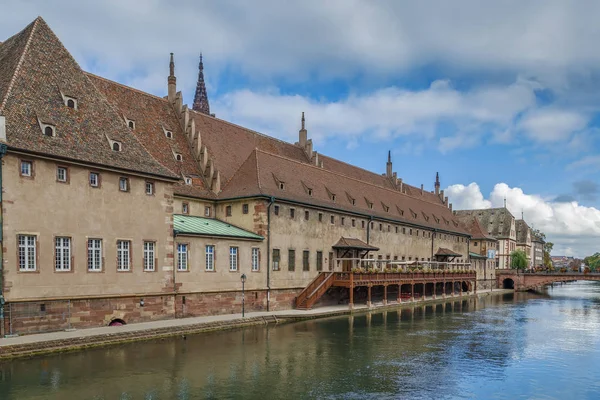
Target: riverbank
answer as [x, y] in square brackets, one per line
[37, 344]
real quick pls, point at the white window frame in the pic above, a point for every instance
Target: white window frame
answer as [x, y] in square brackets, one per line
[28, 171]
[66, 174]
[233, 258]
[182, 257]
[149, 256]
[207, 211]
[150, 185]
[96, 181]
[125, 187]
[123, 255]
[94, 255]
[62, 253]
[209, 251]
[27, 252]
[255, 259]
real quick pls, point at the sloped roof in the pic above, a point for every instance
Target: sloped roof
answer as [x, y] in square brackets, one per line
[190, 225]
[45, 72]
[472, 225]
[442, 251]
[495, 221]
[522, 230]
[477, 256]
[262, 172]
[352, 243]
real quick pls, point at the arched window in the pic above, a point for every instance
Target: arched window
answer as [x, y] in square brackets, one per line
[71, 103]
[48, 131]
[116, 146]
[178, 157]
[131, 124]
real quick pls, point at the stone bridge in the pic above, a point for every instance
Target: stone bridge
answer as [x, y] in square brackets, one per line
[512, 279]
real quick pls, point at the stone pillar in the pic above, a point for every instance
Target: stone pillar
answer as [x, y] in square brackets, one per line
[444, 290]
[399, 293]
[369, 296]
[434, 290]
[412, 292]
[384, 295]
[351, 303]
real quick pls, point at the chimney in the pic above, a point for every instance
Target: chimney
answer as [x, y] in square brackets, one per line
[2, 129]
[446, 200]
[421, 189]
[442, 194]
[400, 185]
[303, 134]
[172, 81]
[450, 206]
[388, 165]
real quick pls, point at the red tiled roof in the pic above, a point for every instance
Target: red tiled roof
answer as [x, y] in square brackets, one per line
[46, 69]
[262, 172]
[472, 225]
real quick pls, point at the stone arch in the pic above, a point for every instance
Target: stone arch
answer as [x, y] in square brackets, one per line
[117, 322]
[508, 283]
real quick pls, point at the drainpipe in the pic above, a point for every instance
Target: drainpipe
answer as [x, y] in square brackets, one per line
[432, 239]
[369, 228]
[271, 201]
[174, 275]
[2, 153]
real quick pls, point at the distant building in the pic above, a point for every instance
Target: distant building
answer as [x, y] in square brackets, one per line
[537, 244]
[482, 251]
[524, 240]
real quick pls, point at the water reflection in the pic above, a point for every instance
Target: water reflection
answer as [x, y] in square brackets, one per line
[524, 345]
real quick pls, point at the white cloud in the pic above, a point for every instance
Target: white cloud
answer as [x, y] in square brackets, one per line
[571, 226]
[552, 125]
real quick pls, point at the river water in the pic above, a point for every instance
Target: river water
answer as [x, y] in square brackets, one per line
[530, 346]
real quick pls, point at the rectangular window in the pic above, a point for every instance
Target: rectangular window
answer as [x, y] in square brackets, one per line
[305, 260]
[331, 261]
[306, 215]
[332, 219]
[380, 227]
[94, 254]
[233, 258]
[27, 252]
[410, 232]
[149, 256]
[342, 221]
[62, 174]
[291, 260]
[362, 224]
[182, 257]
[123, 255]
[255, 259]
[210, 257]
[396, 229]
[149, 188]
[228, 211]
[320, 217]
[404, 231]
[62, 254]
[26, 168]
[124, 184]
[244, 208]
[207, 211]
[276, 210]
[319, 261]
[185, 208]
[292, 213]
[94, 179]
[276, 259]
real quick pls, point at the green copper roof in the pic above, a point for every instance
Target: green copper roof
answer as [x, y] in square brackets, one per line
[185, 224]
[475, 255]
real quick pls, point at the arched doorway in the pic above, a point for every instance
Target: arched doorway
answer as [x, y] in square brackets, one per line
[508, 284]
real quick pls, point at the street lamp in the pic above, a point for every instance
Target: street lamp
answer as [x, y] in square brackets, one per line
[243, 279]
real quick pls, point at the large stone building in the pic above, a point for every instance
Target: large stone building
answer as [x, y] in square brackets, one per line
[537, 244]
[524, 242]
[483, 248]
[120, 206]
[500, 224]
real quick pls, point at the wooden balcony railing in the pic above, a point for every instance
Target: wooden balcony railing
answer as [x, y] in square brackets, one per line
[357, 277]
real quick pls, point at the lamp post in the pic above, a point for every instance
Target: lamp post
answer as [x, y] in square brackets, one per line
[243, 279]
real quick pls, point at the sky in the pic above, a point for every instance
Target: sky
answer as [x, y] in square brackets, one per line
[501, 98]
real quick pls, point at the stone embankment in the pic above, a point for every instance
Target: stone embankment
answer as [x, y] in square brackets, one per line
[32, 345]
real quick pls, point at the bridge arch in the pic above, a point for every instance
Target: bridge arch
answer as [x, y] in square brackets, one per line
[508, 283]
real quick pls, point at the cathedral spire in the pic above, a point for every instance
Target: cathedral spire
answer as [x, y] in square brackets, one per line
[201, 98]
[388, 165]
[437, 183]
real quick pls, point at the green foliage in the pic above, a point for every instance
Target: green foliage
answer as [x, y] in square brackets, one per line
[593, 262]
[518, 259]
[547, 250]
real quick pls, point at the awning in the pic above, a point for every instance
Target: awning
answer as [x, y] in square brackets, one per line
[447, 252]
[199, 226]
[477, 256]
[351, 243]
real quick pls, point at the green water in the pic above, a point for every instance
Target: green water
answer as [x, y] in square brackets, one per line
[504, 347]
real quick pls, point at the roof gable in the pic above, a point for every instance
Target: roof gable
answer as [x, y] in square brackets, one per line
[46, 73]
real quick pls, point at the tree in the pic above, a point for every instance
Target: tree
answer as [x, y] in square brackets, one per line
[593, 262]
[518, 259]
[547, 250]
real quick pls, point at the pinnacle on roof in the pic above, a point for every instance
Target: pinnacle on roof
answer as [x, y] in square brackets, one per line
[437, 183]
[200, 97]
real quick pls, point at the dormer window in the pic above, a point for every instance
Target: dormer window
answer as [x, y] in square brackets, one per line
[370, 205]
[310, 192]
[188, 181]
[169, 134]
[333, 197]
[49, 130]
[178, 157]
[116, 146]
[130, 123]
[70, 102]
[281, 186]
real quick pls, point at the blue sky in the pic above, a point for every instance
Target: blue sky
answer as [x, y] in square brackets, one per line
[500, 98]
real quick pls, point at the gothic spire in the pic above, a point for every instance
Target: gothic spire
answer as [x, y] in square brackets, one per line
[201, 98]
[437, 183]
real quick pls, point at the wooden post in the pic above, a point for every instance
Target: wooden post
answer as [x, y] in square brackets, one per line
[460, 289]
[400, 293]
[412, 292]
[351, 290]
[444, 290]
[434, 290]
[424, 287]
[369, 296]
[384, 295]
